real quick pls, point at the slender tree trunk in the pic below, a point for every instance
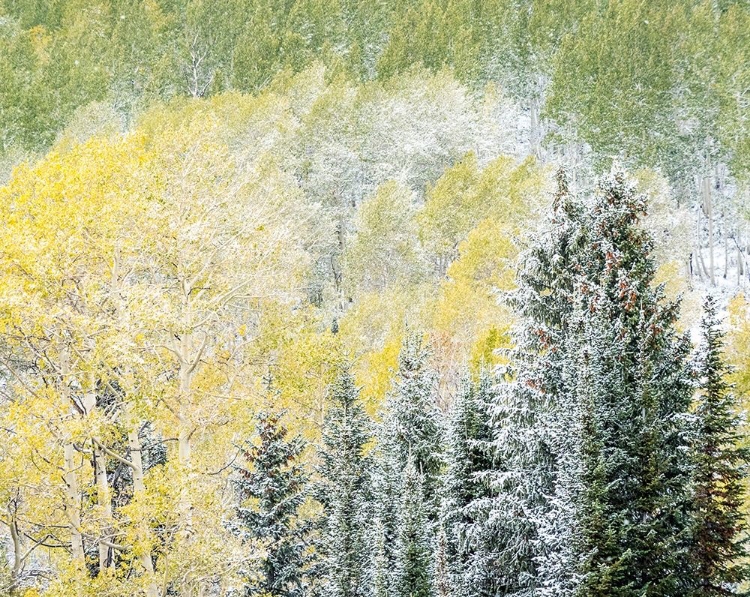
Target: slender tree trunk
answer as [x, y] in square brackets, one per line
[184, 448]
[702, 269]
[184, 349]
[726, 244]
[185, 431]
[740, 264]
[535, 132]
[703, 265]
[139, 491]
[105, 505]
[337, 259]
[708, 208]
[15, 535]
[188, 361]
[73, 506]
[70, 476]
[103, 496]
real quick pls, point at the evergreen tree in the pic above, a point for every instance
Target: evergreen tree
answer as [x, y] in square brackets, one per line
[412, 424]
[718, 547]
[271, 487]
[526, 522]
[382, 534]
[380, 574]
[343, 492]
[443, 584]
[589, 429]
[413, 555]
[411, 431]
[465, 484]
[633, 393]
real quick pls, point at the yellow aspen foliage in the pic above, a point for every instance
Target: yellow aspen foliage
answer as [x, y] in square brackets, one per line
[738, 345]
[302, 356]
[466, 194]
[136, 270]
[384, 251]
[469, 320]
[372, 331]
[68, 232]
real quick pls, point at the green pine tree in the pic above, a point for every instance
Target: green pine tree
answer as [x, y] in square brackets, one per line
[412, 553]
[443, 584]
[633, 390]
[271, 485]
[528, 519]
[718, 548]
[413, 423]
[466, 487]
[411, 431]
[380, 574]
[343, 491]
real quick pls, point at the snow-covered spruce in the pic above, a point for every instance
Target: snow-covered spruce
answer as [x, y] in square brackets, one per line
[343, 491]
[718, 546]
[412, 553]
[411, 432]
[468, 461]
[633, 391]
[271, 486]
[528, 517]
[589, 428]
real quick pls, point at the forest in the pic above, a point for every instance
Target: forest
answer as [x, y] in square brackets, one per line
[377, 298]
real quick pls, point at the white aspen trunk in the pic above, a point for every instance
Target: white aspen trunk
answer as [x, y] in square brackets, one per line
[740, 264]
[703, 267]
[188, 364]
[105, 504]
[699, 262]
[184, 447]
[139, 491]
[103, 496]
[726, 245]
[70, 477]
[708, 206]
[73, 506]
[185, 431]
[535, 133]
[336, 269]
[15, 535]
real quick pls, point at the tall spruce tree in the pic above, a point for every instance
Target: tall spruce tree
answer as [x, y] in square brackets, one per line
[382, 533]
[632, 390]
[590, 481]
[412, 554]
[412, 421]
[443, 585]
[718, 548]
[527, 519]
[380, 576]
[343, 490]
[411, 431]
[271, 484]
[467, 462]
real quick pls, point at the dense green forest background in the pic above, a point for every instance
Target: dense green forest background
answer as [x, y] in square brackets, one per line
[651, 83]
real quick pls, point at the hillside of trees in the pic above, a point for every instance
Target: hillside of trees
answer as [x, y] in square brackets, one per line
[311, 298]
